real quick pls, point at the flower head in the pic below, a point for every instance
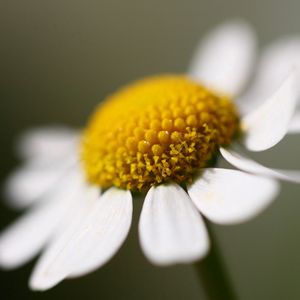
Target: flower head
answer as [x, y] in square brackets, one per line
[161, 129]
[162, 136]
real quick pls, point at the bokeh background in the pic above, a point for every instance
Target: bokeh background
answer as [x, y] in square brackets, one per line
[59, 58]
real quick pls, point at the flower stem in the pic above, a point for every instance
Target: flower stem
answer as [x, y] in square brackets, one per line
[212, 273]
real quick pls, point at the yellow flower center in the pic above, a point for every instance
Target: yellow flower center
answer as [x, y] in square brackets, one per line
[156, 130]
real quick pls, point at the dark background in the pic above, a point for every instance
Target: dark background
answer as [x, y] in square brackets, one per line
[60, 58]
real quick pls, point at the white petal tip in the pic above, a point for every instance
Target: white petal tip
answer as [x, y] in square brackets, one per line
[224, 58]
[43, 283]
[10, 257]
[227, 196]
[97, 233]
[6, 261]
[186, 258]
[171, 230]
[267, 125]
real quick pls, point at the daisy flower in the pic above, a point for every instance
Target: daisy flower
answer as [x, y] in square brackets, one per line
[160, 136]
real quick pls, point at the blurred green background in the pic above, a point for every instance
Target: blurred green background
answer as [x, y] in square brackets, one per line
[60, 58]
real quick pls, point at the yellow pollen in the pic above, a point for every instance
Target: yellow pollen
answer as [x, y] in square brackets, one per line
[156, 130]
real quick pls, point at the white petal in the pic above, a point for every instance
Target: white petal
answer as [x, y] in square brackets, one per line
[26, 237]
[268, 124]
[30, 183]
[68, 227]
[295, 124]
[240, 161]
[170, 229]
[276, 63]
[48, 144]
[229, 196]
[90, 244]
[223, 60]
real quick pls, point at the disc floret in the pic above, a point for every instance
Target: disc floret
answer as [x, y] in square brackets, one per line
[156, 130]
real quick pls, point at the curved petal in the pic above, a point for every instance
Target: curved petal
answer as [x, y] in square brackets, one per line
[68, 227]
[224, 58]
[170, 229]
[277, 61]
[48, 144]
[91, 243]
[268, 124]
[229, 196]
[240, 161]
[27, 236]
[294, 127]
[30, 183]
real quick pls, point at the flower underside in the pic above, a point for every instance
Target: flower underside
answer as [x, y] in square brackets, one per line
[156, 130]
